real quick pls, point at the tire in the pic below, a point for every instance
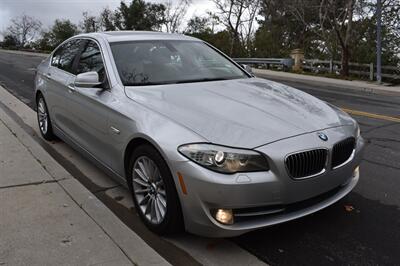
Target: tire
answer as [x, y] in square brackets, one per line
[43, 117]
[150, 195]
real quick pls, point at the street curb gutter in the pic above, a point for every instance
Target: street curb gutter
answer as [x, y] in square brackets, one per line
[129, 243]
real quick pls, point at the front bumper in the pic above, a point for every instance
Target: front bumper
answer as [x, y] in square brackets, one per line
[265, 198]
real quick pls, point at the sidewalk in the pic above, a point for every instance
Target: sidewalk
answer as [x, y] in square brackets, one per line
[331, 82]
[48, 218]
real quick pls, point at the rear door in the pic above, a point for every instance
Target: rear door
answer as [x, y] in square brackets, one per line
[58, 76]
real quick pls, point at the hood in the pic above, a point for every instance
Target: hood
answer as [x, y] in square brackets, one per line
[243, 113]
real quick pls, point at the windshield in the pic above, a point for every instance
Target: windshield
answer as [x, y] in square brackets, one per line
[170, 61]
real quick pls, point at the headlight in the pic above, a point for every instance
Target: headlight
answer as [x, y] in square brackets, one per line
[223, 159]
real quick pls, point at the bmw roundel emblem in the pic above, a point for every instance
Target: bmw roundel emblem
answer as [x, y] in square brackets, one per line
[322, 136]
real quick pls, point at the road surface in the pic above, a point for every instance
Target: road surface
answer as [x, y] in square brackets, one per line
[361, 229]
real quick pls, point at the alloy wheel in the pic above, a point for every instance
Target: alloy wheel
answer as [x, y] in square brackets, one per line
[43, 117]
[149, 190]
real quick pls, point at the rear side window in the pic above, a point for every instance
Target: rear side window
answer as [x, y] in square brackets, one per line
[63, 58]
[91, 60]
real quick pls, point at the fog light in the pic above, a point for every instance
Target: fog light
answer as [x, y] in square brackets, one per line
[224, 216]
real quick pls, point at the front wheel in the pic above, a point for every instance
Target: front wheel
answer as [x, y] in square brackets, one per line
[43, 117]
[153, 191]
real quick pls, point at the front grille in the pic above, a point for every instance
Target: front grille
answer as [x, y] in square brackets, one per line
[305, 164]
[342, 151]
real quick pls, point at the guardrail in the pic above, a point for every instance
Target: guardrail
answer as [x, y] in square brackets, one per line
[323, 66]
[283, 63]
[362, 70]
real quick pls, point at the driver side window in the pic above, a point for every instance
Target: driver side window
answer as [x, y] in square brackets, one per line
[91, 60]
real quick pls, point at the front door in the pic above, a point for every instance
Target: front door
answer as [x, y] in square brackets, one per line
[89, 106]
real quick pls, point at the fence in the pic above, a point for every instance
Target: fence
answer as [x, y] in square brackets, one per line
[362, 70]
[324, 66]
[283, 63]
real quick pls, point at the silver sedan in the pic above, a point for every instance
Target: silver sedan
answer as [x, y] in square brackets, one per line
[201, 143]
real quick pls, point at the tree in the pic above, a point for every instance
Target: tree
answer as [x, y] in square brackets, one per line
[365, 30]
[204, 29]
[59, 32]
[62, 30]
[238, 16]
[139, 15]
[107, 20]
[198, 25]
[10, 41]
[89, 23]
[335, 23]
[24, 29]
[280, 30]
[340, 17]
[45, 42]
[174, 14]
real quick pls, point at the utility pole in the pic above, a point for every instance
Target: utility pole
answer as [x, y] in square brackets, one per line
[379, 41]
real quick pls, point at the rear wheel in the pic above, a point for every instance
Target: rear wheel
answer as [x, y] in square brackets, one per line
[43, 117]
[153, 191]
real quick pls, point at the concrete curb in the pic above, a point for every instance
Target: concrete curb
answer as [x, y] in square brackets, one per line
[334, 83]
[129, 242]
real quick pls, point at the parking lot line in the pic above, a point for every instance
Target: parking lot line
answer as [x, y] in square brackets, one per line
[371, 115]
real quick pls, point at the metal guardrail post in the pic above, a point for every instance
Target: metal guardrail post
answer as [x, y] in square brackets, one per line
[371, 71]
[331, 66]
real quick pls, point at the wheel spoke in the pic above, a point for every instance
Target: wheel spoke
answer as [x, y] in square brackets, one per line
[157, 210]
[148, 206]
[153, 210]
[162, 192]
[140, 182]
[141, 175]
[162, 201]
[41, 107]
[143, 169]
[145, 200]
[160, 207]
[142, 191]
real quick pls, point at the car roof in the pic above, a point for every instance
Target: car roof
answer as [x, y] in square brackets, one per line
[121, 36]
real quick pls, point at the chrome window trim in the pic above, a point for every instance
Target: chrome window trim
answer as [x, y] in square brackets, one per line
[82, 38]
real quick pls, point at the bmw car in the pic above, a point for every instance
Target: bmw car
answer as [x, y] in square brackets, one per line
[202, 144]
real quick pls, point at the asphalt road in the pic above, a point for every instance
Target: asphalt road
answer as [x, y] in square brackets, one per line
[361, 229]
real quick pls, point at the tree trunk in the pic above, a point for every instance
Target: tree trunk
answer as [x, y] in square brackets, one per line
[345, 62]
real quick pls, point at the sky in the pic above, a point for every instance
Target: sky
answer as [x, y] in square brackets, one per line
[49, 10]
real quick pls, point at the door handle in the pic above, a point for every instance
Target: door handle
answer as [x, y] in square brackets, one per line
[71, 88]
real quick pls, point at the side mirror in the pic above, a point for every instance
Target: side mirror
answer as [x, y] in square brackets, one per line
[247, 68]
[87, 80]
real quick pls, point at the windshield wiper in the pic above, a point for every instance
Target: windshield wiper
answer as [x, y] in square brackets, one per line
[178, 81]
[145, 84]
[201, 80]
